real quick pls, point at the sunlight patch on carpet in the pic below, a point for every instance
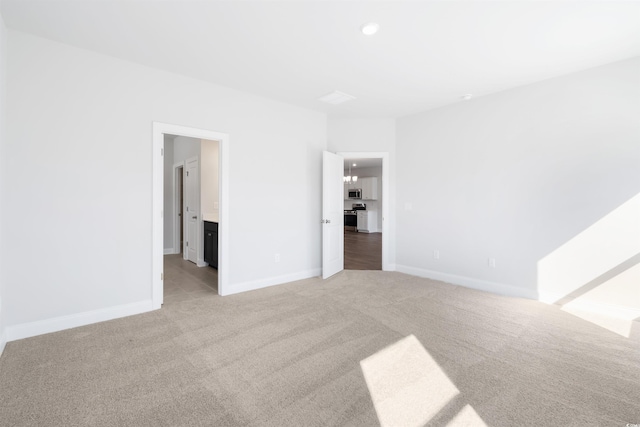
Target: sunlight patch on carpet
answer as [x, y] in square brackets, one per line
[407, 386]
[467, 417]
[616, 325]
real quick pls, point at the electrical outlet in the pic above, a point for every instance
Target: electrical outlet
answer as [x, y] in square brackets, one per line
[492, 262]
[436, 254]
[276, 258]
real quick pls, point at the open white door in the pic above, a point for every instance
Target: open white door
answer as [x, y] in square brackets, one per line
[332, 214]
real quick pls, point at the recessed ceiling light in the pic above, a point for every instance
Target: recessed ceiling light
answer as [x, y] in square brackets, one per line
[336, 97]
[467, 97]
[355, 164]
[370, 29]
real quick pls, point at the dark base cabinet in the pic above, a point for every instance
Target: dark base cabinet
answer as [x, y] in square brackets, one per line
[211, 243]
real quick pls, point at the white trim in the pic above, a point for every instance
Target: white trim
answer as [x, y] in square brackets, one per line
[470, 282]
[271, 281]
[549, 297]
[169, 251]
[610, 310]
[187, 227]
[159, 129]
[31, 329]
[386, 198]
[617, 311]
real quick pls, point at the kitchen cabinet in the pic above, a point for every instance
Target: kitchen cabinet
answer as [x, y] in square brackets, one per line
[211, 243]
[369, 188]
[367, 221]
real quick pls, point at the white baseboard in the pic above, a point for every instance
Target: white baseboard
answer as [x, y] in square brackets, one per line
[169, 251]
[31, 329]
[620, 312]
[514, 291]
[609, 310]
[271, 281]
[470, 282]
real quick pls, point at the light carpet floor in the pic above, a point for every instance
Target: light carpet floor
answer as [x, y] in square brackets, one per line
[291, 355]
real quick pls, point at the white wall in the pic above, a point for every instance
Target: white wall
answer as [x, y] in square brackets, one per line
[185, 148]
[516, 175]
[369, 135]
[209, 182]
[3, 50]
[71, 115]
[168, 194]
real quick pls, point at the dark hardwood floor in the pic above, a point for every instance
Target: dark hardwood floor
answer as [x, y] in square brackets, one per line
[362, 251]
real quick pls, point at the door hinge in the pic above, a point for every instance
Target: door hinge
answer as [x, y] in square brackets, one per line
[162, 151]
[187, 243]
[187, 173]
[161, 276]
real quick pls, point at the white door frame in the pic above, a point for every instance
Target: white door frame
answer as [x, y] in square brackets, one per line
[178, 216]
[157, 269]
[198, 243]
[386, 237]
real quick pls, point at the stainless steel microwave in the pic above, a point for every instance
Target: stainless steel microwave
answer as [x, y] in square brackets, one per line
[355, 193]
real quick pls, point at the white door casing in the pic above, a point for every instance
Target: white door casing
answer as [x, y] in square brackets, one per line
[157, 155]
[192, 209]
[178, 210]
[332, 214]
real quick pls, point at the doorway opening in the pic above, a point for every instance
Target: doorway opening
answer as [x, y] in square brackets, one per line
[363, 213]
[366, 206]
[191, 182]
[171, 202]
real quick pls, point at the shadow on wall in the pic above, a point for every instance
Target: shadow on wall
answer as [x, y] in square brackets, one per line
[596, 275]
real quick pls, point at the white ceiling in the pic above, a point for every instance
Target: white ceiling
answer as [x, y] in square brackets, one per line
[360, 164]
[427, 54]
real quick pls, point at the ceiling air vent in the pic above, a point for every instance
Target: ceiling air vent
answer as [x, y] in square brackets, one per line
[336, 97]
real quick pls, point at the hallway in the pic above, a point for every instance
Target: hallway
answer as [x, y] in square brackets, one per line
[362, 251]
[183, 280]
